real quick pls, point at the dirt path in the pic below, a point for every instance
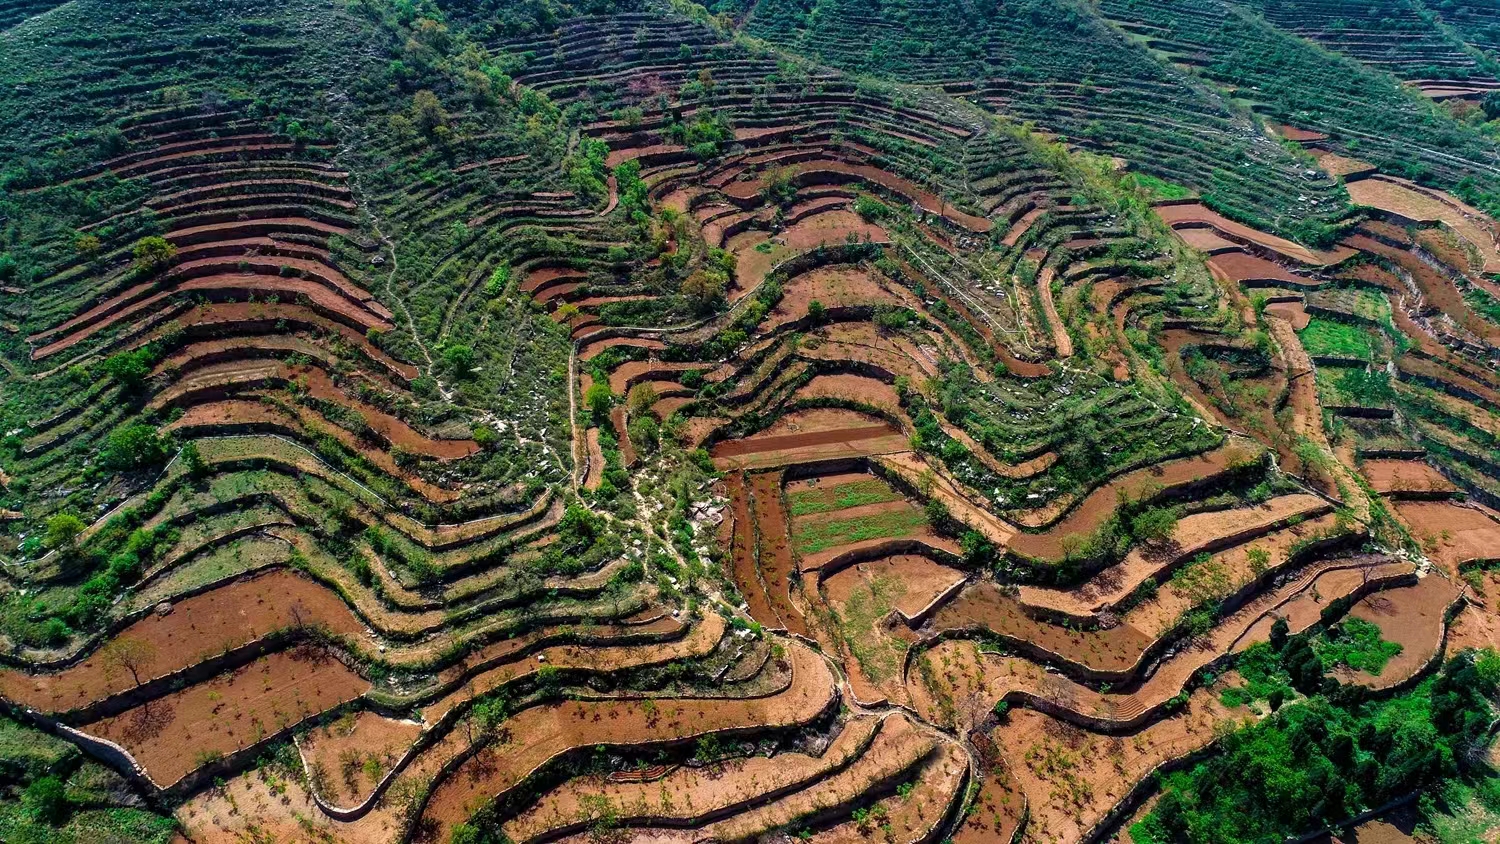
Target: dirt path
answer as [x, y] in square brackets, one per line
[1060, 338]
[1307, 414]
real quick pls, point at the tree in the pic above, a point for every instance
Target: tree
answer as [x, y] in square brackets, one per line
[485, 436]
[153, 252]
[1260, 560]
[129, 368]
[489, 714]
[192, 461]
[459, 358]
[645, 433]
[47, 800]
[599, 400]
[816, 311]
[133, 447]
[132, 655]
[1491, 105]
[428, 114]
[1280, 630]
[88, 245]
[705, 286]
[62, 532]
[642, 397]
[870, 208]
[1154, 526]
[499, 280]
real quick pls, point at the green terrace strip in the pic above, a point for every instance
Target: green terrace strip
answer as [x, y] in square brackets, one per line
[814, 535]
[840, 497]
[1328, 338]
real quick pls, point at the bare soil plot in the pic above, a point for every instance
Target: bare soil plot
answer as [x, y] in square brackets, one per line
[1099, 504]
[1477, 625]
[953, 683]
[1395, 477]
[831, 228]
[910, 818]
[1193, 533]
[1342, 167]
[1202, 581]
[593, 348]
[1437, 287]
[542, 733]
[689, 794]
[810, 435]
[839, 286]
[1243, 267]
[744, 570]
[1450, 532]
[1293, 312]
[1189, 214]
[1410, 616]
[773, 549]
[984, 607]
[350, 755]
[594, 657]
[916, 581]
[1204, 240]
[900, 751]
[1072, 778]
[999, 806]
[1300, 136]
[192, 630]
[174, 735]
[1420, 204]
[596, 460]
[862, 599]
[860, 388]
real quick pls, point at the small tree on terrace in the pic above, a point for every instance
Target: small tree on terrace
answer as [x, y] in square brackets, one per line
[641, 398]
[428, 114]
[193, 462]
[132, 655]
[62, 532]
[46, 800]
[129, 368]
[459, 358]
[133, 447]
[599, 400]
[88, 245]
[152, 253]
[705, 286]
[1154, 526]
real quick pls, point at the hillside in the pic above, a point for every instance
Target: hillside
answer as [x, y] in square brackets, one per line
[524, 420]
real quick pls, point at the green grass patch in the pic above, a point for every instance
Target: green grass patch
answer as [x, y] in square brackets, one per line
[26, 753]
[1351, 386]
[1356, 643]
[85, 826]
[841, 497]
[1260, 667]
[1483, 304]
[812, 537]
[1463, 812]
[1337, 339]
[1160, 188]
[878, 656]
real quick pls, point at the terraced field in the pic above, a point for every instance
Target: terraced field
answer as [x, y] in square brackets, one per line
[474, 422]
